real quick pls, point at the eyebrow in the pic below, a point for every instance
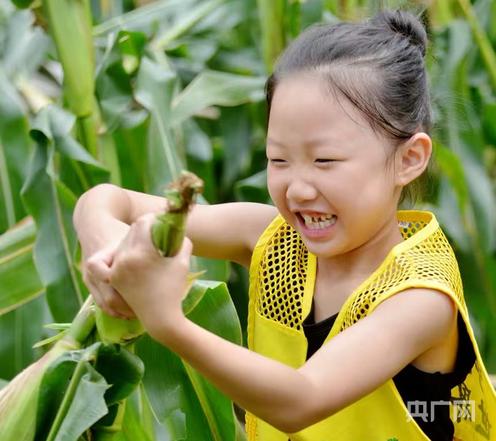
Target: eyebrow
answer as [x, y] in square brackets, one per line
[312, 143]
[273, 141]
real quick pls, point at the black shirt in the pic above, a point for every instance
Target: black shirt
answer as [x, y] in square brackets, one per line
[414, 384]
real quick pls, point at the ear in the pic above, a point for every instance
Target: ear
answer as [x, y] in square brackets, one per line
[412, 158]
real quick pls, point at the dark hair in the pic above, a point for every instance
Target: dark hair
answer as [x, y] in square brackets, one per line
[378, 65]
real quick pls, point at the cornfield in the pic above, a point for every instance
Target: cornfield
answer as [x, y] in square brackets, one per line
[132, 92]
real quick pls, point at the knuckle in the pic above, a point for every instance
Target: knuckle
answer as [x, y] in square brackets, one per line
[183, 265]
[142, 220]
[112, 302]
[187, 241]
[91, 265]
[105, 308]
[121, 263]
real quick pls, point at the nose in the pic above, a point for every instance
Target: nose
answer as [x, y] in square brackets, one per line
[301, 190]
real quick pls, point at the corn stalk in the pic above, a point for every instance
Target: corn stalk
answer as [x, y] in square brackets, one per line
[70, 26]
[271, 16]
[481, 39]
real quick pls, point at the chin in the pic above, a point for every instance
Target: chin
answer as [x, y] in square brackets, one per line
[324, 249]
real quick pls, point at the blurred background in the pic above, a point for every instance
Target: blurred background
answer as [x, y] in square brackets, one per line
[130, 92]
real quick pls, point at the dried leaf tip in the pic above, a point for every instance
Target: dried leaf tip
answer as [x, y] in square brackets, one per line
[182, 192]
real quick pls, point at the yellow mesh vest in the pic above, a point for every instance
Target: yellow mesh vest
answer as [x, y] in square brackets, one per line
[282, 277]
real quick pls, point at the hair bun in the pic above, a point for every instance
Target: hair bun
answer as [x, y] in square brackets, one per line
[405, 24]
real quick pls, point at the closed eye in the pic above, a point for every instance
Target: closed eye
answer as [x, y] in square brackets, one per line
[323, 161]
[278, 161]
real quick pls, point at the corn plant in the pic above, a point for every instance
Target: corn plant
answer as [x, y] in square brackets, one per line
[132, 94]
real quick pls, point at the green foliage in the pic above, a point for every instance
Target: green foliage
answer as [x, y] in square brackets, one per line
[179, 83]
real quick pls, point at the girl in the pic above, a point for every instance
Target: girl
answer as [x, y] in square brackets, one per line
[358, 329]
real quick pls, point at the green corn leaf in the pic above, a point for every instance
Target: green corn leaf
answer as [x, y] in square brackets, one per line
[22, 3]
[71, 396]
[20, 330]
[187, 21]
[183, 392]
[19, 281]
[215, 88]
[155, 88]
[51, 204]
[26, 46]
[15, 147]
[253, 188]
[452, 167]
[18, 400]
[143, 18]
[121, 369]
[87, 406]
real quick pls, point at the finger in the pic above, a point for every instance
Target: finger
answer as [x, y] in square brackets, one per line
[98, 269]
[184, 254]
[186, 247]
[110, 301]
[142, 232]
[99, 299]
[117, 304]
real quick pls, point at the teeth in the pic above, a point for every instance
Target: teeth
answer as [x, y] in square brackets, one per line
[315, 223]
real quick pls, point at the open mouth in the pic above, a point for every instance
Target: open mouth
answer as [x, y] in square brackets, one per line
[320, 222]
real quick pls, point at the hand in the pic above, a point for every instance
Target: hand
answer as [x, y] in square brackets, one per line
[96, 276]
[152, 285]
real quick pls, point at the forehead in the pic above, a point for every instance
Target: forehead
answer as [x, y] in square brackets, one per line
[304, 110]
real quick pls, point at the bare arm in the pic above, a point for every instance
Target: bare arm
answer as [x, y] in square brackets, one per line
[103, 216]
[290, 399]
[224, 231]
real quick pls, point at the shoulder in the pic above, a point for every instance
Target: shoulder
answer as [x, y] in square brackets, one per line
[393, 335]
[425, 315]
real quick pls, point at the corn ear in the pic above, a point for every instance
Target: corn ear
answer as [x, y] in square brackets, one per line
[168, 233]
[116, 330]
[167, 236]
[169, 229]
[71, 29]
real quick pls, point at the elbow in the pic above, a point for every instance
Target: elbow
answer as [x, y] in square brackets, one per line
[97, 190]
[290, 423]
[88, 194]
[299, 417]
[290, 427]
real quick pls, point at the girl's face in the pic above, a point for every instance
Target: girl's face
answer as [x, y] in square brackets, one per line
[327, 169]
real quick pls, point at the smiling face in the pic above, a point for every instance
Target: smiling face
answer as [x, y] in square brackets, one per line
[327, 169]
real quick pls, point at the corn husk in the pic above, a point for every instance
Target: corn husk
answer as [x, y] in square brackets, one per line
[19, 399]
[169, 229]
[115, 330]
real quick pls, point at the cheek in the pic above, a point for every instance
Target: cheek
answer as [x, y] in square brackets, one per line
[275, 186]
[363, 185]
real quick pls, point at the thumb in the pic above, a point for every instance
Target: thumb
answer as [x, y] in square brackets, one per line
[185, 251]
